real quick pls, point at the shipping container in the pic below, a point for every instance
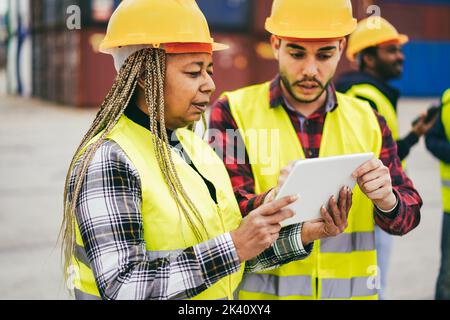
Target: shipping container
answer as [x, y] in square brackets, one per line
[24, 15]
[3, 39]
[37, 12]
[227, 15]
[24, 67]
[434, 2]
[427, 69]
[72, 62]
[52, 16]
[96, 70]
[261, 11]
[13, 17]
[67, 67]
[419, 21]
[248, 61]
[49, 15]
[101, 10]
[12, 65]
[36, 64]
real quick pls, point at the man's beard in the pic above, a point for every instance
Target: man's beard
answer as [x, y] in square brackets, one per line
[388, 71]
[289, 89]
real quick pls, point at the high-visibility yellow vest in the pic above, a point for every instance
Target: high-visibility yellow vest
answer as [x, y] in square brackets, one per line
[344, 267]
[445, 167]
[384, 106]
[165, 229]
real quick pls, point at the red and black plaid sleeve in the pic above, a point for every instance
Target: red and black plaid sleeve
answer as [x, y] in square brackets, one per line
[407, 214]
[226, 141]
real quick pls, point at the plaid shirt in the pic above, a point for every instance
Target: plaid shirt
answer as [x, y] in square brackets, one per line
[404, 218]
[109, 217]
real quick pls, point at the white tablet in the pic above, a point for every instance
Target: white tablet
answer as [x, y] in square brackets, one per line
[316, 180]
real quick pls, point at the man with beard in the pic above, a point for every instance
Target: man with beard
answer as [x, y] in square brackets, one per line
[299, 115]
[376, 46]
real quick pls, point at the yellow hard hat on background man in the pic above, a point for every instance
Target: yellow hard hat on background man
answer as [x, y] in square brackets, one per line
[311, 19]
[371, 32]
[177, 26]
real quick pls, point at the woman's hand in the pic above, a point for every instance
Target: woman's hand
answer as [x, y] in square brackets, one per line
[260, 229]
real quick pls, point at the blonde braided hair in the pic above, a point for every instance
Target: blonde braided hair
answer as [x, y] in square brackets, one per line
[151, 65]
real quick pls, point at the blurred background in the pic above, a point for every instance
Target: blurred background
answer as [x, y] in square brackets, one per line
[53, 78]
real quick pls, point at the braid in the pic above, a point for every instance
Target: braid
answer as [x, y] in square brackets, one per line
[109, 114]
[155, 102]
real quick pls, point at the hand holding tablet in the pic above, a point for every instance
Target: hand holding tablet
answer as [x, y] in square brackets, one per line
[316, 180]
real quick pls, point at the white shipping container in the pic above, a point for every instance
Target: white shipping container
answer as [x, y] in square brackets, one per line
[11, 66]
[24, 12]
[13, 16]
[25, 78]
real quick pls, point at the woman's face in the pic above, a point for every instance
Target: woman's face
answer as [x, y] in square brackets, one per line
[188, 88]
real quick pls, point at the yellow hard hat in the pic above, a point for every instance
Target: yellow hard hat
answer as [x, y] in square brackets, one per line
[371, 32]
[157, 22]
[311, 19]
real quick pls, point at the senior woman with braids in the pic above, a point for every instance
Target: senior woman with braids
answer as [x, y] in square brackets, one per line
[149, 208]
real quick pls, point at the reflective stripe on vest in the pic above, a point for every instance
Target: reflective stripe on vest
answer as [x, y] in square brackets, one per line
[347, 288]
[81, 256]
[166, 232]
[445, 167]
[349, 242]
[351, 128]
[301, 286]
[80, 295]
[274, 285]
[446, 183]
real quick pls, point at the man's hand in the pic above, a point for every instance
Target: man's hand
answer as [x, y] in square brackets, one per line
[334, 220]
[260, 229]
[374, 180]
[421, 127]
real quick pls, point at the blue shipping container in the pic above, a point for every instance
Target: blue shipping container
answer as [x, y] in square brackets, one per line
[227, 14]
[427, 69]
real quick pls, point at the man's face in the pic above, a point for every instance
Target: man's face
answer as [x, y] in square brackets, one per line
[389, 61]
[307, 67]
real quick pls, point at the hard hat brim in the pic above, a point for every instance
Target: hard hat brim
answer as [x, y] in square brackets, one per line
[216, 46]
[400, 39]
[311, 35]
